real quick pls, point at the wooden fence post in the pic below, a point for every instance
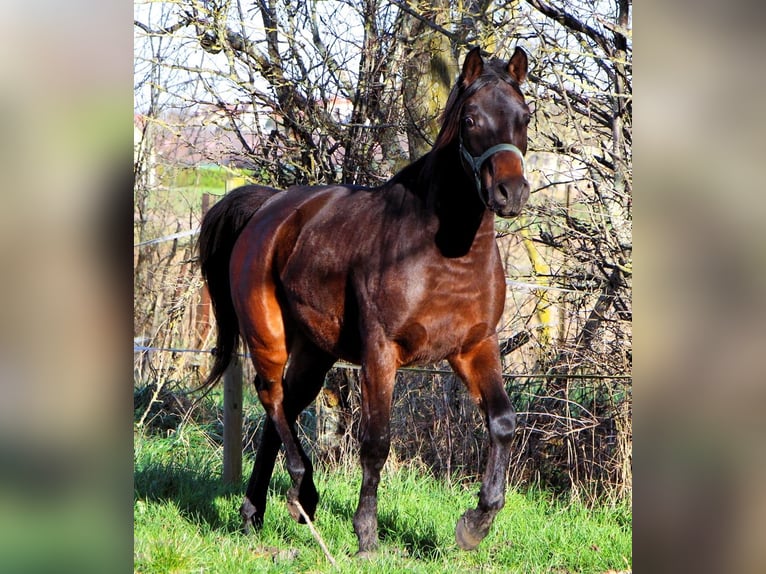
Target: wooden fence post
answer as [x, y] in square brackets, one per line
[232, 422]
[203, 306]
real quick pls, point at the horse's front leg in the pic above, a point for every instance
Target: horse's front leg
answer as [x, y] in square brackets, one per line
[377, 383]
[481, 371]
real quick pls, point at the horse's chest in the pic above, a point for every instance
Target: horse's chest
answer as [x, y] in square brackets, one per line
[441, 316]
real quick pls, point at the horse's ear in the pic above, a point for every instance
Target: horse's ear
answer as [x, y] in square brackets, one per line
[472, 67]
[518, 64]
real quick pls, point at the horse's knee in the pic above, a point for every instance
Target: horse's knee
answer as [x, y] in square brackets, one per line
[503, 426]
[374, 450]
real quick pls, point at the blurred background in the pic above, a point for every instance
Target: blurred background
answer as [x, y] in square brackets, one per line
[699, 311]
[65, 156]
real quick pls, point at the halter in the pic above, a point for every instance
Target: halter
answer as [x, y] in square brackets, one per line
[476, 162]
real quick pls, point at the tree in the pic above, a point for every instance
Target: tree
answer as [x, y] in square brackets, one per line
[588, 87]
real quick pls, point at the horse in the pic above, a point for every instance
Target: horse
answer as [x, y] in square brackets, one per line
[405, 273]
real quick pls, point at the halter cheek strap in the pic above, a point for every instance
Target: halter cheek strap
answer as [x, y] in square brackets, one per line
[477, 162]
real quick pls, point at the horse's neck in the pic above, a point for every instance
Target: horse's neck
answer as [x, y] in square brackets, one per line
[465, 223]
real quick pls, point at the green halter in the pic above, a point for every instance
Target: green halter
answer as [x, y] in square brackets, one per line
[477, 162]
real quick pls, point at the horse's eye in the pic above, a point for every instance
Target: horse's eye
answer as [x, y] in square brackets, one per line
[469, 123]
[527, 118]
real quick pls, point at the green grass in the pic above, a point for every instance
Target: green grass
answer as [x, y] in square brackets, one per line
[187, 521]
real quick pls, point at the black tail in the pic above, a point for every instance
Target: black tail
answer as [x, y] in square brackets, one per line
[220, 228]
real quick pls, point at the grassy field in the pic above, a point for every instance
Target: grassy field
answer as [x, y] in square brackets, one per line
[187, 521]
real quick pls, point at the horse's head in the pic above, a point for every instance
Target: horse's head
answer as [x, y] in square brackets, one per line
[492, 124]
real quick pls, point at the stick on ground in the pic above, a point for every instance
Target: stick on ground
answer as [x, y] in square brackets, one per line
[315, 532]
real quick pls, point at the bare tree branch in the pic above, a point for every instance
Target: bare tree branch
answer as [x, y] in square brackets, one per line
[428, 22]
[163, 31]
[571, 22]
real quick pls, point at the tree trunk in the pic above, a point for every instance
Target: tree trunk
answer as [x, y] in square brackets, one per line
[430, 68]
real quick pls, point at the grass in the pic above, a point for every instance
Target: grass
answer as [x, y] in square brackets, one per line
[185, 520]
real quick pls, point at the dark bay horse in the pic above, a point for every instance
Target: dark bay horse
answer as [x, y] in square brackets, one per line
[406, 273]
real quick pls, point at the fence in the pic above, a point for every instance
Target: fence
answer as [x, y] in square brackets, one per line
[574, 431]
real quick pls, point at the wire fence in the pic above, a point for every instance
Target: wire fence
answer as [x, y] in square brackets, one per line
[573, 437]
[425, 370]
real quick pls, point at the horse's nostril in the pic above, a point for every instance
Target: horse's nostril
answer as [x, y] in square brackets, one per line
[503, 194]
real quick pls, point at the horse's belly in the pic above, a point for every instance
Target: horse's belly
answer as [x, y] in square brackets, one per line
[431, 342]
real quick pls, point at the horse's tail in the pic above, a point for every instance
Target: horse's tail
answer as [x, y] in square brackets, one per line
[220, 229]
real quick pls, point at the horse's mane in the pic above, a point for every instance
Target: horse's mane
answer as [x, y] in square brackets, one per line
[494, 70]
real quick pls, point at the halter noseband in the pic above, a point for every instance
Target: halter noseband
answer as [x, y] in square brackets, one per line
[476, 162]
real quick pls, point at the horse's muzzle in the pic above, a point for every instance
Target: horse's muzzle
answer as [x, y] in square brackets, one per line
[507, 198]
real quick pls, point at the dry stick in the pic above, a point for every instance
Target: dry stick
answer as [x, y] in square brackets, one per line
[315, 532]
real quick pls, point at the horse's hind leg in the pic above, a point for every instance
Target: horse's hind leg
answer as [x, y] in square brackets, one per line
[481, 372]
[284, 387]
[304, 377]
[254, 505]
[302, 380]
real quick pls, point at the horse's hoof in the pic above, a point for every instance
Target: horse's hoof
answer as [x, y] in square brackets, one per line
[250, 516]
[294, 507]
[295, 514]
[365, 555]
[471, 529]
